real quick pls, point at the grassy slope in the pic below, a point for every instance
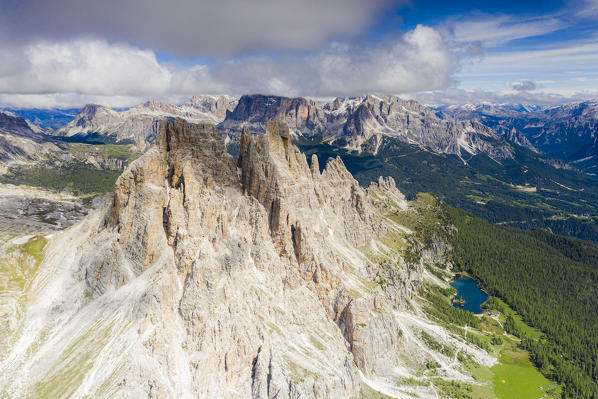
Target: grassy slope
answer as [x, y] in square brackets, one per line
[18, 266]
[16, 270]
[118, 151]
[77, 177]
[514, 376]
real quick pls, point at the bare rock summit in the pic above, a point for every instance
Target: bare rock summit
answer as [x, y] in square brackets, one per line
[203, 277]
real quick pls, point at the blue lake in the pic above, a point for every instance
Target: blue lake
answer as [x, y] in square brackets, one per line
[471, 292]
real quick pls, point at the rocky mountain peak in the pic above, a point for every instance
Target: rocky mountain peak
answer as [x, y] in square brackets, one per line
[298, 113]
[277, 174]
[217, 106]
[151, 104]
[15, 125]
[19, 142]
[361, 123]
[259, 278]
[92, 109]
[139, 124]
[93, 115]
[184, 205]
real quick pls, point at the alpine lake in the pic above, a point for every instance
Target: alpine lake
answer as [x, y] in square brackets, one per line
[469, 295]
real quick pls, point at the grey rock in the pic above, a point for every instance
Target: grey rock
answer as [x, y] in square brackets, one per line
[205, 277]
[360, 123]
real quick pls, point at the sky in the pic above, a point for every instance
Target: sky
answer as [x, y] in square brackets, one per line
[66, 53]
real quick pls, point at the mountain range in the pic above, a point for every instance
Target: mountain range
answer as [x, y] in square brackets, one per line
[138, 125]
[360, 123]
[566, 132]
[202, 276]
[482, 158]
[277, 272]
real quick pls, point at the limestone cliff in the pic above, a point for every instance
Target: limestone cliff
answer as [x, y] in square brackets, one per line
[206, 278]
[19, 144]
[361, 123]
[140, 124]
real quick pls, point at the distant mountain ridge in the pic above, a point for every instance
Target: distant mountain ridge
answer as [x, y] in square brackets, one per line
[31, 157]
[20, 143]
[17, 126]
[138, 125]
[566, 132]
[357, 123]
[47, 119]
[360, 123]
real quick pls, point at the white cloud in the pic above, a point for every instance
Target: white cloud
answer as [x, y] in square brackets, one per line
[85, 67]
[587, 8]
[94, 69]
[72, 65]
[67, 100]
[560, 57]
[454, 96]
[524, 85]
[494, 30]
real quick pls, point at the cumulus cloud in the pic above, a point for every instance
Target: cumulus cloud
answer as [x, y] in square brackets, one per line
[195, 28]
[457, 96]
[82, 66]
[86, 68]
[524, 85]
[419, 60]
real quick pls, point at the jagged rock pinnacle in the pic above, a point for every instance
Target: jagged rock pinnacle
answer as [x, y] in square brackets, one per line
[224, 282]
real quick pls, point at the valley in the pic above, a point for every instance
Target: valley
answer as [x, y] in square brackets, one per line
[435, 349]
[515, 347]
[321, 199]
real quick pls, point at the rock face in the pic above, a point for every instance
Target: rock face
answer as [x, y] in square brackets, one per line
[139, 125]
[355, 122]
[214, 106]
[19, 143]
[566, 132]
[203, 277]
[17, 126]
[301, 114]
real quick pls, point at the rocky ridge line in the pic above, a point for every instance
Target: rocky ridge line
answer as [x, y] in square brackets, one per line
[361, 123]
[209, 278]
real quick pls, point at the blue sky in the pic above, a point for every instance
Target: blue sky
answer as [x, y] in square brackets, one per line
[550, 43]
[69, 52]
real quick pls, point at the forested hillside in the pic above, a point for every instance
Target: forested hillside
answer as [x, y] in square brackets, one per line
[551, 281]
